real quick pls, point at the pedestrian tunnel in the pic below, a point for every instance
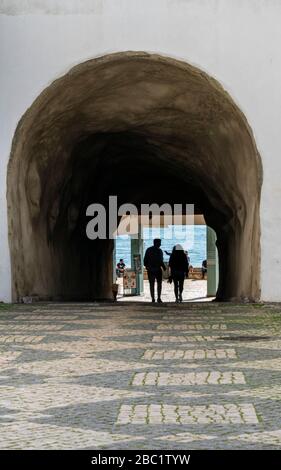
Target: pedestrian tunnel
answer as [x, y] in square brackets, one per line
[143, 127]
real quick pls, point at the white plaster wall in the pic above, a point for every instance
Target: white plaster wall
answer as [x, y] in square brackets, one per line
[236, 41]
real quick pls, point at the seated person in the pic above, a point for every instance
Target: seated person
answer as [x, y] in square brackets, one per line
[204, 268]
[121, 266]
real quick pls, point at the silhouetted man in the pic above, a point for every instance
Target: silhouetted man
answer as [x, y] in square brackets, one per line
[153, 261]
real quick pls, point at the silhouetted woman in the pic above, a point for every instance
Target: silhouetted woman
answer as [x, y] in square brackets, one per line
[179, 270]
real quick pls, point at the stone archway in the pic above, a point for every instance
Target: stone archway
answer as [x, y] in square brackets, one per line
[129, 114]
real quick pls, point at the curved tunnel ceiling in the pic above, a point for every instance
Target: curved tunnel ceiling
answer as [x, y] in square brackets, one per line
[149, 129]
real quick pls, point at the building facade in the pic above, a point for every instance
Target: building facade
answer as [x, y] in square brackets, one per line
[236, 43]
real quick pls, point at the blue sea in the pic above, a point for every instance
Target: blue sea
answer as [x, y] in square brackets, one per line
[192, 238]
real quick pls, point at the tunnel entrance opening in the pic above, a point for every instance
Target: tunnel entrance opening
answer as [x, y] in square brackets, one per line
[147, 129]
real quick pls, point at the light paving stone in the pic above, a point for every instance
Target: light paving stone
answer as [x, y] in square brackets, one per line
[187, 414]
[49, 437]
[30, 327]
[274, 345]
[182, 339]
[49, 318]
[266, 437]
[7, 357]
[191, 378]
[273, 392]
[56, 394]
[72, 366]
[268, 364]
[20, 339]
[252, 332]
[186, 437]
[192, 327]
[177, 318]
[147, 320]
[188, 354]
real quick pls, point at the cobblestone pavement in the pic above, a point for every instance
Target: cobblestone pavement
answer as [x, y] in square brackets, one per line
[140, 376]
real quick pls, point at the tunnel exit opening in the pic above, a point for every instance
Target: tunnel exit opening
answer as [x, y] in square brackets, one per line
[130, 277]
